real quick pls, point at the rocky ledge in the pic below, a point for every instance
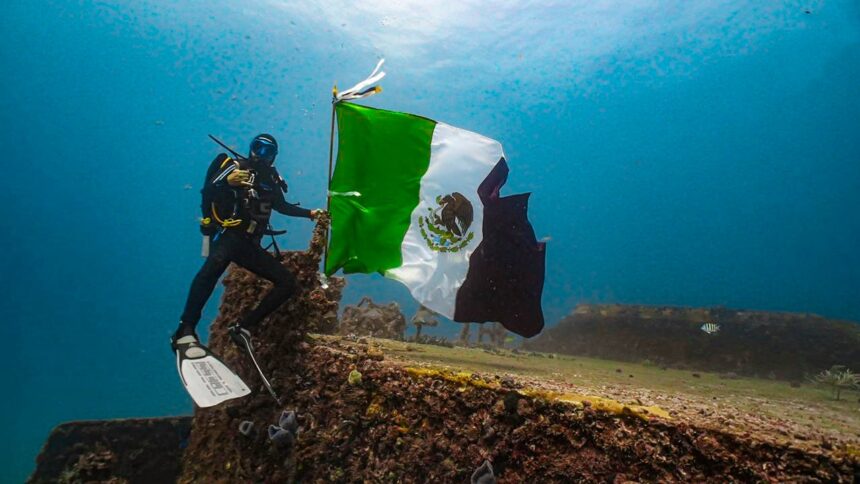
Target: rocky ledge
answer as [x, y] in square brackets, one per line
[364, 417]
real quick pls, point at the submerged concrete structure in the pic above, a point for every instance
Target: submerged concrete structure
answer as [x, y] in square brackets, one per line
[363, 417]
[764, 344]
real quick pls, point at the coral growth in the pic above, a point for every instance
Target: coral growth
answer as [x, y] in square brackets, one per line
[368, 318]
[113, 451]
[363, 417]
[754, 343]
[423, 317]
[838, 379]
[418, 424]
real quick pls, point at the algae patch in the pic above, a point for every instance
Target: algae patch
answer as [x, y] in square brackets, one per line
[466, 379]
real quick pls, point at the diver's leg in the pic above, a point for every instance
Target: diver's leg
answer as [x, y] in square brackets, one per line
[203, 285]
[262, 263]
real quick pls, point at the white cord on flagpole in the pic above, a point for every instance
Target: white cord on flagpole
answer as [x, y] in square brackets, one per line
[362, 89]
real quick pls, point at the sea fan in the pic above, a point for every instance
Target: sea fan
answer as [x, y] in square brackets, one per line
[838, 378]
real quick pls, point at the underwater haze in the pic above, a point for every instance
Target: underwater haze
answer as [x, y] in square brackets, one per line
[679, 153]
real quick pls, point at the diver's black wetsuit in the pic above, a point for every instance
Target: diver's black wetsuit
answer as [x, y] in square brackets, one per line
[241, 243]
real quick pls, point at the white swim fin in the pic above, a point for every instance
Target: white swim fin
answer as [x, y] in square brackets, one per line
[206, 378]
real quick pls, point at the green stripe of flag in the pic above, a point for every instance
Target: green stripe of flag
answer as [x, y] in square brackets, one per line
[381, 158]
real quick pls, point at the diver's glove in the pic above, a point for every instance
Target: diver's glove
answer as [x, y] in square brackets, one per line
[239, 178]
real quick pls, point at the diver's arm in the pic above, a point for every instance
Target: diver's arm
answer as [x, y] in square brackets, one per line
[281, 205]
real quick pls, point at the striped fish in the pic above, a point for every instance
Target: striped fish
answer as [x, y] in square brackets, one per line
[710, 328]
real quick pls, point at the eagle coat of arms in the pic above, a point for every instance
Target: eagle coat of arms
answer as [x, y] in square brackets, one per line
[446, 227]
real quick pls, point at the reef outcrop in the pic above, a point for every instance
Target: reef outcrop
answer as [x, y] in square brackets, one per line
[363, 417]
[764, 344]
[127, 450]
[367, 417]
[368, 318]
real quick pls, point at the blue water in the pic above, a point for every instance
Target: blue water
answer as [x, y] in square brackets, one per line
[683, 153]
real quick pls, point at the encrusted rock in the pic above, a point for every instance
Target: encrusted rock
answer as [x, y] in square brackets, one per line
[368, 318]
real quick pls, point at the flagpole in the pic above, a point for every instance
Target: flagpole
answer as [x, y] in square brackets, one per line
[361, 90]
[330, 162]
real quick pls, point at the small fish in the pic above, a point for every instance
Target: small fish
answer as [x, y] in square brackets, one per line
[187, 186]
[710, 328]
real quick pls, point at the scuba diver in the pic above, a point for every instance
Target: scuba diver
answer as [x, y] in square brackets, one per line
[239, 195]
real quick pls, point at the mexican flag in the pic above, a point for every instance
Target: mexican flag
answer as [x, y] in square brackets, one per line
[418, 201]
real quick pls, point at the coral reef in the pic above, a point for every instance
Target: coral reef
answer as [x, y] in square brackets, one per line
[756, 343]
[495, 333]
[129, 450]
[362, 417]
[368, 318]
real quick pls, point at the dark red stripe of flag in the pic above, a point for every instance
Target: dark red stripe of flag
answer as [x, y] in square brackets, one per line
[506, 271]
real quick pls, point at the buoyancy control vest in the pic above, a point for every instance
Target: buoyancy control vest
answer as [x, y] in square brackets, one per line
[244, 209]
